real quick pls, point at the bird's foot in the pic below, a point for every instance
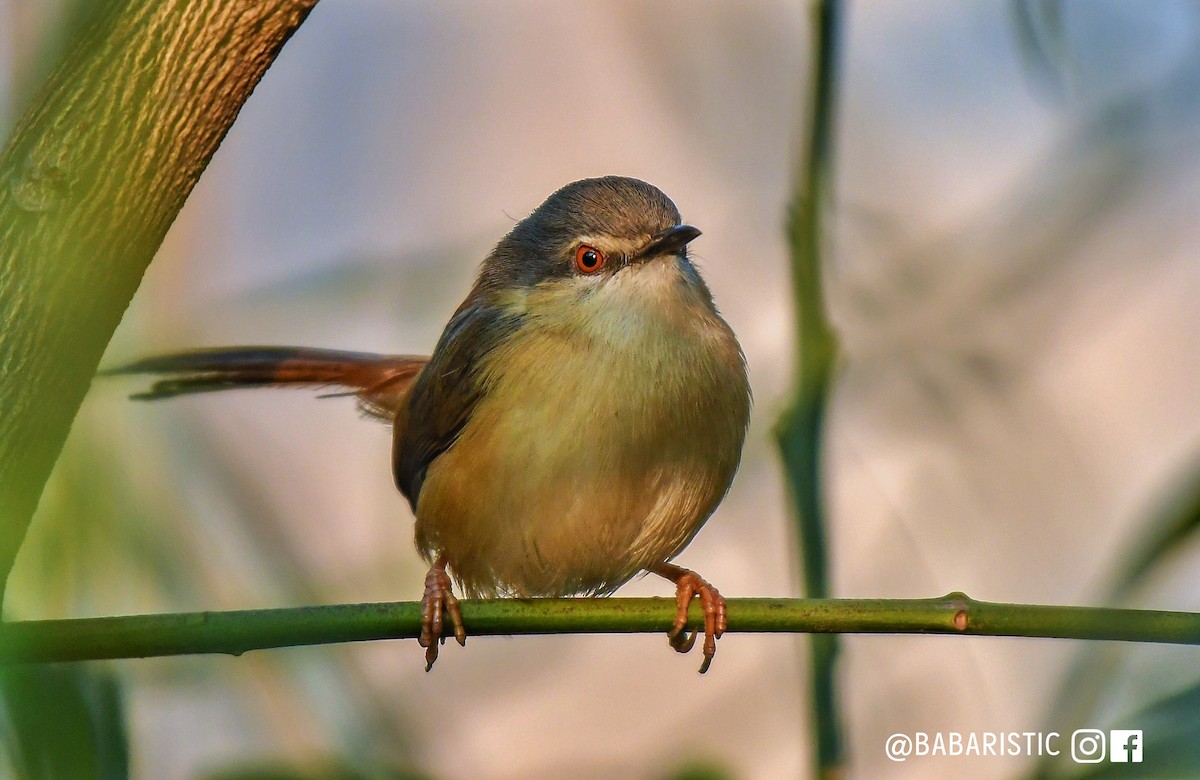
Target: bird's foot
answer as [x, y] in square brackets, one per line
[438, 601]
[689, 585]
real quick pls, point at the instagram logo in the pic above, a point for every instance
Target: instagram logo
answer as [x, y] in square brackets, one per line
[1126, 746]
[1088, 746]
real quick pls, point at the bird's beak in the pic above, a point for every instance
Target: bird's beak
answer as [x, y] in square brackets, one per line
[670, 241]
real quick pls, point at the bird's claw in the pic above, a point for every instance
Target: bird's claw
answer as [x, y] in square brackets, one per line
[688, 586]
[438, 601]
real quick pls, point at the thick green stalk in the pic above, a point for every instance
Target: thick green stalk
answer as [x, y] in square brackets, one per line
[801, 430]
[139, 636]
[92, 178]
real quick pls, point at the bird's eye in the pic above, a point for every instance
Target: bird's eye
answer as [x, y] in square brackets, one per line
[588, 259]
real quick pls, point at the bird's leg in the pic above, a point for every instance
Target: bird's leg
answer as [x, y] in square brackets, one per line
[438, 599]
[688, 585]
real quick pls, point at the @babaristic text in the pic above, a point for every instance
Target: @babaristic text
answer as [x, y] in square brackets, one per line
[1084, 746]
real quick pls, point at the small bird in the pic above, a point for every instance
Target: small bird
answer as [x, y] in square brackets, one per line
[580, 418]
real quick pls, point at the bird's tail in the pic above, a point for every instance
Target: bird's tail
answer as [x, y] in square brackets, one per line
[380, 382]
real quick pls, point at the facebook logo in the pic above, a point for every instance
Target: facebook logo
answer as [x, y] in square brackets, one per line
[1125, 746]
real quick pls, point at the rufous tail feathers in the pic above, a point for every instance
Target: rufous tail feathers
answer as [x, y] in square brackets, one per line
[380, 382]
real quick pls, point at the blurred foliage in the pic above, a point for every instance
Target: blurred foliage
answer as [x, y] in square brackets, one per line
[1169, 745]
[329, 771]
[1169, 527]
[1167, 714]
[1128, 123]
[1039, 28]
[98, 517]
[61, 721]
[1096, 690]
[1169, 733]
[700, 770]
[127, 524]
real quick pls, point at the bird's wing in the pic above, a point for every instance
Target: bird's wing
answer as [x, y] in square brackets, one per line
[446, 392]
[380, 382]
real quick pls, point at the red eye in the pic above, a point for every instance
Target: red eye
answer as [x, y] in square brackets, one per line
[588, 259]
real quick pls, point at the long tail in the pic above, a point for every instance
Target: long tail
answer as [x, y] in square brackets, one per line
[380, 382]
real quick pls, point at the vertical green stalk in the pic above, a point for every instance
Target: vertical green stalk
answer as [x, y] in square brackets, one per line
[800, 431]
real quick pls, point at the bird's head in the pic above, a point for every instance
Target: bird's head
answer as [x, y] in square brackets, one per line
[590, 235]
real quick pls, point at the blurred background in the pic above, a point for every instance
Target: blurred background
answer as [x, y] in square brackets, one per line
[1012, 270]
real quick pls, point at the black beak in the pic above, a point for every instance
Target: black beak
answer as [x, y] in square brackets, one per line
[670, 241]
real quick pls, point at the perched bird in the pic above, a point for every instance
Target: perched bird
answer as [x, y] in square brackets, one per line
[581, 416]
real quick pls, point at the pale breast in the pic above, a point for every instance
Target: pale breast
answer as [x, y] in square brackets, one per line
[607, 433]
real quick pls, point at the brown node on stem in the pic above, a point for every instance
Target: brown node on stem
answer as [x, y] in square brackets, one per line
[960, 620]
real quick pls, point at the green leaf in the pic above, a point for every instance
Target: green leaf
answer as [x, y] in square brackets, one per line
[336, 770]
[701, 770]
[61, 721]
[1042, 44]
[1169, 745]
[1171, 749]
[1170, 527]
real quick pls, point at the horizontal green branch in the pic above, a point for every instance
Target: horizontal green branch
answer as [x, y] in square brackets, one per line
[139, 636]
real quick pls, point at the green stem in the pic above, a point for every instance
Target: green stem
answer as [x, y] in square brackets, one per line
[801, 429]
[140, 636]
